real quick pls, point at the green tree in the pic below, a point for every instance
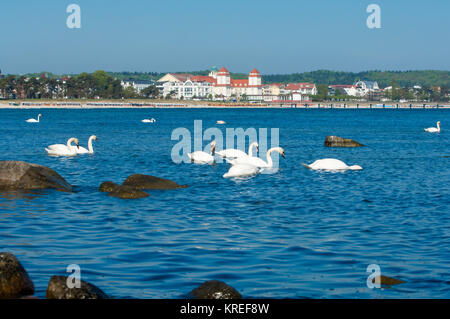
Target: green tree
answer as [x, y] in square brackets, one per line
[150, 92]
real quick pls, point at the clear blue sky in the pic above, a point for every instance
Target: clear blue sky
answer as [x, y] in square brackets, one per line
[278, 36]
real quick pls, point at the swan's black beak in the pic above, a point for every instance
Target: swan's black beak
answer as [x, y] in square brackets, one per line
[78, 146]
[284, 156]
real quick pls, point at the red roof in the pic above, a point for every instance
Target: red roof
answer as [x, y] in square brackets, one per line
[298, 86]
[203, 78]
[255, 74]
[239, 83]
[224, 70]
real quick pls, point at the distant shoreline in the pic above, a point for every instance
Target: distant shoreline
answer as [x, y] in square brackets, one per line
[110, 104]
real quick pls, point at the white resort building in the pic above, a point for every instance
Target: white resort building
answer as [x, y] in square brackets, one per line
[137, 85]
[219, 85]
[367, 89]
[216, 85]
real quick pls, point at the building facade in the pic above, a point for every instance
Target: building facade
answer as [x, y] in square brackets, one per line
[217, 85]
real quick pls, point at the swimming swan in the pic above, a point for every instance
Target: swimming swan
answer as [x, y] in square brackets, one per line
[256, 161]
[241, 170]
[234, 153]
[221, 122]
[434, 129]
[34, 120]
[63, 150]
[201, 157]
[152, 120]
[331, 164]
[90, 150]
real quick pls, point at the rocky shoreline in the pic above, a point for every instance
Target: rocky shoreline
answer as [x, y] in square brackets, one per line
[15, 283]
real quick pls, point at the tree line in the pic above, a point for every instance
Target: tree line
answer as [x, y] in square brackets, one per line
[97, 85]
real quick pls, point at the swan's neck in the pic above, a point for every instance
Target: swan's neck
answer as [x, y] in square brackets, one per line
[69, 143]
[269, 158]
[91, 149]
[438, 127]
[38, 118]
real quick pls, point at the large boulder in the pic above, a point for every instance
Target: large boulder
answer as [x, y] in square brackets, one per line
[140, 181]
[336, 141]
[108, 187]
[128, 192]
[215, 289]
[14, 280]
[15, 175]
[58, 289]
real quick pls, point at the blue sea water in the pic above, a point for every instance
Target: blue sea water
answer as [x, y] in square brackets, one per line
[294, 234]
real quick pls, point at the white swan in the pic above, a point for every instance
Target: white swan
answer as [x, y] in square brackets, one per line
[256, 161]
[234, 153]
[241, 170]
[221, 122]
[201, 157]
[152, 120]
[90, 150]
[331, 164]
[434, 129]
[34, 120]
[63, 150]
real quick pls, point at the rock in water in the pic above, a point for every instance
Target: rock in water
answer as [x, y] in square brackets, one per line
[15, 175]
[140, 181]
[14, 280]
[336, 141]
[108, 187]
[128, 192]
[387, 281]
[58, 289]
[215, 289]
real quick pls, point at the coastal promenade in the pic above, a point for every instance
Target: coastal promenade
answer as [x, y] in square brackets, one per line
[208, 104]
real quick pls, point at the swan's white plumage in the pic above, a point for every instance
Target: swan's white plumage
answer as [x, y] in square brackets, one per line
[256, 161]
[34, 120]
[201, 157]
[234, 153]
[90, 149]
[241, 170]
[331, 164]
[152, 120]
[434, 129]
[63, 150]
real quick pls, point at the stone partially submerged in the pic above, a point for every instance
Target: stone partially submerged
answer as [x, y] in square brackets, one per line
[215, 289]
[14, 280]
[58, 289]
[141, 181]
[128, 192]
[108, 187]
[336, 141]
[387, 281]
[16, 175]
